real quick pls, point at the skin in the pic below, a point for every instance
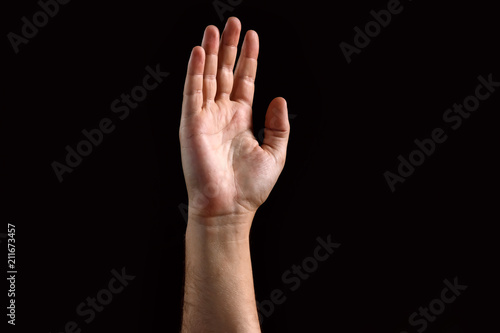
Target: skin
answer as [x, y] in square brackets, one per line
[228, 176]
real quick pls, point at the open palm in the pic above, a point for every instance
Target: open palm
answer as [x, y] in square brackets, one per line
[227, 172]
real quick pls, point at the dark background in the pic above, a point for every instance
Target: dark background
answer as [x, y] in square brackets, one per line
[123, 205]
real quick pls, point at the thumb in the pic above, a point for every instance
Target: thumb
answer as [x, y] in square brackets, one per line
[277, 129]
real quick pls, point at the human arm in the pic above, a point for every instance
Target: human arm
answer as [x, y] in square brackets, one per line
[228, 176]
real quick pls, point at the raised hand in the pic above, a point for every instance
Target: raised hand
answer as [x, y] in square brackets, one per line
[228, 174]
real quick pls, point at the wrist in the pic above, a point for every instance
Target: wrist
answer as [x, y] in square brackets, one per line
[219, 229]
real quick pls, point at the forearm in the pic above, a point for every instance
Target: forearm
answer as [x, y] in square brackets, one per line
[219, 293]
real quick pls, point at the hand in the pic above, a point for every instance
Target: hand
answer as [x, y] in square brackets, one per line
[227, 173]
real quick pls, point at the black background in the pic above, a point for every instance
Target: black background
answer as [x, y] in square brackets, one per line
[120, 206]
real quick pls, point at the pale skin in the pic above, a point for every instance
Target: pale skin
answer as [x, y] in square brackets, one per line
[228, 176]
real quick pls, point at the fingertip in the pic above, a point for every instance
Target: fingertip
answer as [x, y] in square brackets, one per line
[277, 117]
[251, 44]
[197, 52]
[211, 32]
[234, 20]
[280, 105]
[196, 48]
[196, 60]
[211, 28]
[252, 34]
[210, 42]
[277, 130]
[232, 30]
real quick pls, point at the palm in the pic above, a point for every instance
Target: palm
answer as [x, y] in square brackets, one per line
[226, 170]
